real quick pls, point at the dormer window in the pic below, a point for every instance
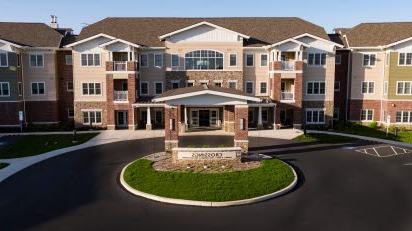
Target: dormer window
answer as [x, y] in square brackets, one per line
[204, 60]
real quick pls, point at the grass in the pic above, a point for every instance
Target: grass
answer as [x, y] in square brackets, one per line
[3, 165]
[323, 138]
[31, 145]
[272, 176]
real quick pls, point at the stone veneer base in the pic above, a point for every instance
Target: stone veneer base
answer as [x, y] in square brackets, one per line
[208, 203]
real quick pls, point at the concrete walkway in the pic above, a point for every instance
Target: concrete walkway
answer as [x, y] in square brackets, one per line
[105, 137]
[285, 134]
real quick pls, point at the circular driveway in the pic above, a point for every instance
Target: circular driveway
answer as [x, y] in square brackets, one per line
[338, 189]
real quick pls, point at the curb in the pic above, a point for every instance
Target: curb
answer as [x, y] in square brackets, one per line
[207, 203]
[362, 138]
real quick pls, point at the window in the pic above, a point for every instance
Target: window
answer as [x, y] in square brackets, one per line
[68, 59]
[91, 88]
[144, 60]
[190, 83]
[37, 88]
[70, 112]
[249, 87]
[367, 115]
[158, 88]
[315, 88]
[369, 60]
[175, 84]
[338, 59]
[144, 88]
[368, 87]
[36, 60]
[403, 117]
[316, 59]
[337, 86]
[4, 62]
[315, 116]
[69, 86]
[158, 60]
[403, 87]
[233, 60]
[218, 83]
[175, 60]
[204, 60]
[405, 59]
[336, 113]
[92, 117]
[263, 60]
[233, 84]
[263, 88]
[20, 88]
[4, 89]
[90, 60]
[250, 60]
[385, 87]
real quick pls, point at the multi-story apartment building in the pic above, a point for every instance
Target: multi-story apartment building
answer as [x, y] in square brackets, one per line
[122, 67]
[380, 72]
[35, 74]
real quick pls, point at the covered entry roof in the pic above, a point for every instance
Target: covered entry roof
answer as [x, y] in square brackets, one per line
[205, 95]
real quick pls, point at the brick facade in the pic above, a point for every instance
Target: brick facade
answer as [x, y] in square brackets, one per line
[327, 105]
[10, 113]
[78, 116]
[42, 112]
[171, 127]
[341, 75]
[65, 76]
[356, 107]
[241, 135]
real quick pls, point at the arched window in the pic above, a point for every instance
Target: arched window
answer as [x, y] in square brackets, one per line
[204, 60]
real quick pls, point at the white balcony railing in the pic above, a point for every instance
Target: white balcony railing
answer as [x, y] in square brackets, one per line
[288, 65]
[120, 96]
[287, 96]
[119, 66]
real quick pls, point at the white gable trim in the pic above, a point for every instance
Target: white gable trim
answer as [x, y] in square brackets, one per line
[162, 37]
[319, 38]
[90, 38]
[286, 41]
[204, 92]
[120, 41]
[10, 43]
[398, 42]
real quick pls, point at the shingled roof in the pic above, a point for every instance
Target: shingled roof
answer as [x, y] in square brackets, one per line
[146, 31]
[30, 34]
[378, 34]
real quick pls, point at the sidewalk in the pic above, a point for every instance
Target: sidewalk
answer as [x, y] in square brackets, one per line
[285, 134]
[105, 137]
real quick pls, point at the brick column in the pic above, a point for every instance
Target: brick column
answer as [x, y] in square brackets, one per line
[110, 107]
[297, 114]
[228, 118]
[131, 88]
[109, 66]
[171, 127]
[241, 138]
[276, 82]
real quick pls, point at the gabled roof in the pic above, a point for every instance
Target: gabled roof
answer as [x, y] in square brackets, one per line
[288, 40]
[30, 34]
[378, 34]
[203, 90]
[146, 31]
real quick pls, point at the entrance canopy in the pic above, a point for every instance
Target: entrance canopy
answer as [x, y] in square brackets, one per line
[205, 95]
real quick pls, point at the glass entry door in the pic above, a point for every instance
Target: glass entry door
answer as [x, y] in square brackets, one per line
[214, 117]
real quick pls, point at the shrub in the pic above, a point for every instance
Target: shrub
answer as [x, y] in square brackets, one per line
[373, 125]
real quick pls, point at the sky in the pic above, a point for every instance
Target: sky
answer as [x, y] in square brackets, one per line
[327, 13]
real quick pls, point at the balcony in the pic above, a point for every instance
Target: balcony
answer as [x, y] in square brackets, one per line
[287, 95]
[287, 65]
[120, 96]
[122, 66]
[119, 65]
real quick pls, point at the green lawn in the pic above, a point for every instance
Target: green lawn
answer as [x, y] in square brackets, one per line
[323, 138]
[3, 165]
[30, 145]
[272, 176]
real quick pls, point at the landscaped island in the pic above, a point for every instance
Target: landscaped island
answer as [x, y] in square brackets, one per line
[271, 176]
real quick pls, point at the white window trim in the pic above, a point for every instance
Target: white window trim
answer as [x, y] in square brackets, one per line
[154, 87]
[92, 110]
[31, 88]
[363, 58]
[154, 60]
[8, 87]
[7, 58]
[171, 60]
[253, 87]
[253, 58]
[315, 109]
[402, 112]
[396, 90]
[336, 90]
[235, 54]
[101, 88]
[148, 88]
[260, 88]
[368, 93]
[340, 59]
[65, 60]
[386, 87]
[307, 84]
[267, 60]
[147, 60]
[42, 54]
[67, 86]
[399, 59]
[367, 114]
[68, 113]
[320, 59]
[91, 53]
[175, 81]
[189, 81]
[232, 81]
[204, 81]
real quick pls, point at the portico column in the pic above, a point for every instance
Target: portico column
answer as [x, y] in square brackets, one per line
[274, 118]
[148, 120]
[186, 116]
[260, 124]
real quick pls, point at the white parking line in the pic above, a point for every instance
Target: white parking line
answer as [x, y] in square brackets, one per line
[408, 164]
